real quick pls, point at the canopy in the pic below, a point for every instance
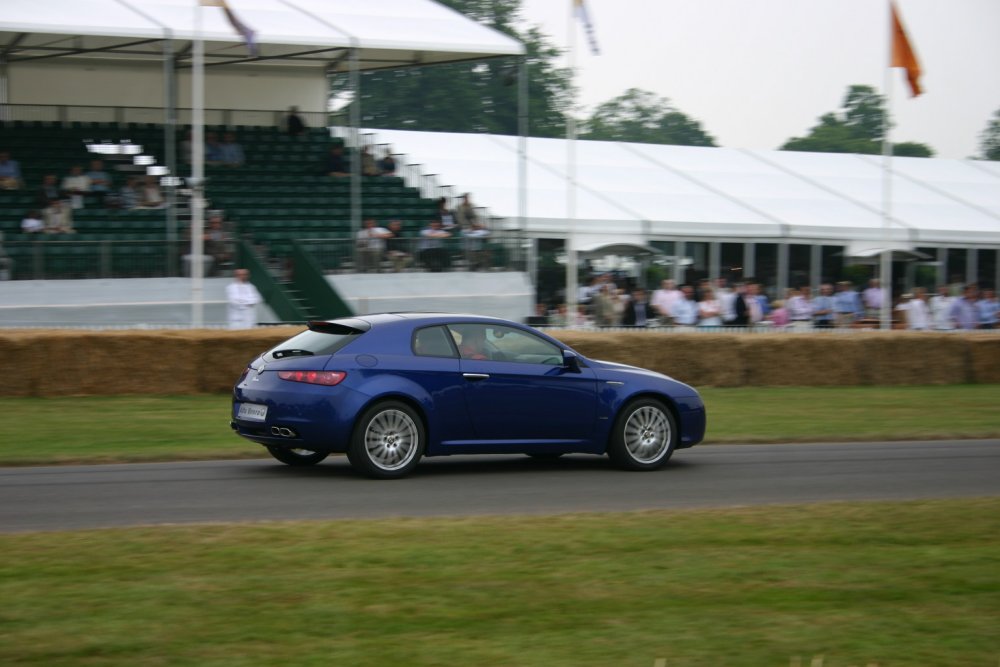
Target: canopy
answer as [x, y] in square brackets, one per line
[318, 33]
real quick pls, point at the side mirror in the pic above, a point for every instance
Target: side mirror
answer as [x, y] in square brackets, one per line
[571, 362]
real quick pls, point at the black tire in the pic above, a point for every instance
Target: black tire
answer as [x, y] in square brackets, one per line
[297, 457]
[644, 435]
[388, 441]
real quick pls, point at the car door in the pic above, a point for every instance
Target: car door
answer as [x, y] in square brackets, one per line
[518, 390]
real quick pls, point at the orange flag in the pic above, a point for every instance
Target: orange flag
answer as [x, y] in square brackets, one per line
[902, 53]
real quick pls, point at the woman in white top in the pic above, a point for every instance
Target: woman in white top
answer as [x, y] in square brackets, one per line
[709, 310]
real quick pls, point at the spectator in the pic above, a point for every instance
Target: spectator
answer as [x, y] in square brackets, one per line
[872, 298]
[368, 166]
[150, 195]
[58, 218]
[799, 310]
[664, 299]
[387, 165]
[727, 299]
[940, 306]
[709, 309]
[371, 246]
[230, 153]
[684, 312]
[603, 304]
[433, 254]
[242, 298]
[294, 124]
[445, 215]
[822, 307]
[130, 194]
[218, 243]
[32, 223]
[49, 192]
[963, 312]
[476, 250]
[465, 214]
[10, 172]
[100, 182]
[213, 149]
[336, 165]
[397, 246]
[756, 304]
[914, 308]
[76, 185]
[778, 317]
[846, 304]
[988, 308]
[638, 311]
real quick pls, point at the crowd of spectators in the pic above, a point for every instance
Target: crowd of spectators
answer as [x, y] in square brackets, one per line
[711, 304]
[434, 246]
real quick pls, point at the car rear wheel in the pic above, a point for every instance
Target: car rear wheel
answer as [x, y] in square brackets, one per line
[297, 457]
[644, 436]
[388, 440]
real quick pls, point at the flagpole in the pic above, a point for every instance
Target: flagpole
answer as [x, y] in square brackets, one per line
[885, 267]
[197, 170]
[571, 271]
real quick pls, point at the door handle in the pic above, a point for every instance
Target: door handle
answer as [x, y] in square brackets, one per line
[475, 377]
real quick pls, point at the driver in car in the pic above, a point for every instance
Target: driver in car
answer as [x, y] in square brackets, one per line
[473, 344]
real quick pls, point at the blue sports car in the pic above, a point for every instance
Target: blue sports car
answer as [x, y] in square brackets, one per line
[388, 389]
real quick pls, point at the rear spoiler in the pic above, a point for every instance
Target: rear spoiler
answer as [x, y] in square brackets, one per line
[344, 327]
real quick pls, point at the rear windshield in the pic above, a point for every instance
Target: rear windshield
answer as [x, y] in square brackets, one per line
[316, 342]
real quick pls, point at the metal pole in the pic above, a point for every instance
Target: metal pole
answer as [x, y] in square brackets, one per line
[197, 172]
[885, 268]
[571, 287]
[522, 143]
[353, 134]
[170, 147]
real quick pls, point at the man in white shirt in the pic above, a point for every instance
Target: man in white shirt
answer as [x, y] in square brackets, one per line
[915, 308]
[872, 298]
[371, 246]
[664, 299]
[243, 298]
[685, 310]
[940, 306]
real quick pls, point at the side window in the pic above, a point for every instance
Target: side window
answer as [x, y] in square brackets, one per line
[523, 347]
[432, 342]
[502, 343]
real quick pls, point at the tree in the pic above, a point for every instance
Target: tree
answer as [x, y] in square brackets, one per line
[643, 117]
[989, 140]
[858, 128]
[479, 96]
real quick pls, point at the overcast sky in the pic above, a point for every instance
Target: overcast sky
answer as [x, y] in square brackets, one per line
[757, 72]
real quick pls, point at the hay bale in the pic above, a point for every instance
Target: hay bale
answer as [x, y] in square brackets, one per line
[984, 358]
[121, 362]
[22, 362]
[697, 359]
[915, 357]
[795, 360]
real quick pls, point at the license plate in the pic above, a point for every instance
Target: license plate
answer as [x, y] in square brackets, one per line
[252, 412]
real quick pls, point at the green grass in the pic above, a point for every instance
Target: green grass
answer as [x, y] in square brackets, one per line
[142, 428]
[909, 584]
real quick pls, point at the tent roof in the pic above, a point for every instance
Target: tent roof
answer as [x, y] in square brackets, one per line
[389, 33]
[631, 191]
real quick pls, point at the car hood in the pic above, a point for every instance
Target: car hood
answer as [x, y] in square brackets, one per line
[609, 370]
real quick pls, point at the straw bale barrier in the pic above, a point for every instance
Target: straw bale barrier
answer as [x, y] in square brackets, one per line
[81, 363]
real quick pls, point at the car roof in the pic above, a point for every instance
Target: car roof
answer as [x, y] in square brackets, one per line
[376, 319]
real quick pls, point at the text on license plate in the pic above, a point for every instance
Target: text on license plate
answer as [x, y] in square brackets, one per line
[252, 412]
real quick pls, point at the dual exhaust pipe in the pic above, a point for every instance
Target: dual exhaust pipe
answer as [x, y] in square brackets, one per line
[284, 432]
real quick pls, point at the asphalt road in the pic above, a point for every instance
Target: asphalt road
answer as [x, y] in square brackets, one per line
[72, 497]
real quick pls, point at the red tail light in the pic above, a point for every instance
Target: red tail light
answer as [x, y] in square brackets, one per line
[328, 378]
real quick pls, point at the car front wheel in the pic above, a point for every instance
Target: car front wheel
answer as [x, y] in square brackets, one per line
[297, 457]
[644, 436]
[388, 440]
